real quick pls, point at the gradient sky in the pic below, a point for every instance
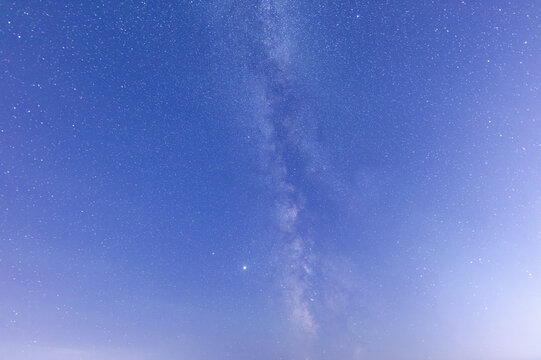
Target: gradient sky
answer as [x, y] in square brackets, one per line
[270, 179]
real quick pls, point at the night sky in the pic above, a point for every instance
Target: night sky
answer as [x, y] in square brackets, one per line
[270, 179]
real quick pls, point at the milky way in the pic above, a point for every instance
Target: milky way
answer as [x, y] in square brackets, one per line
[270, 180]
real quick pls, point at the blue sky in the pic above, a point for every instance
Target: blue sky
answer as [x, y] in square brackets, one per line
[273, 179]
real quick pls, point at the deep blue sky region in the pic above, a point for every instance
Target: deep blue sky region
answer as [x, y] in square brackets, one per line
[270, 179]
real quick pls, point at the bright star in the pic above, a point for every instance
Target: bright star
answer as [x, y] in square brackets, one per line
[244, 267]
